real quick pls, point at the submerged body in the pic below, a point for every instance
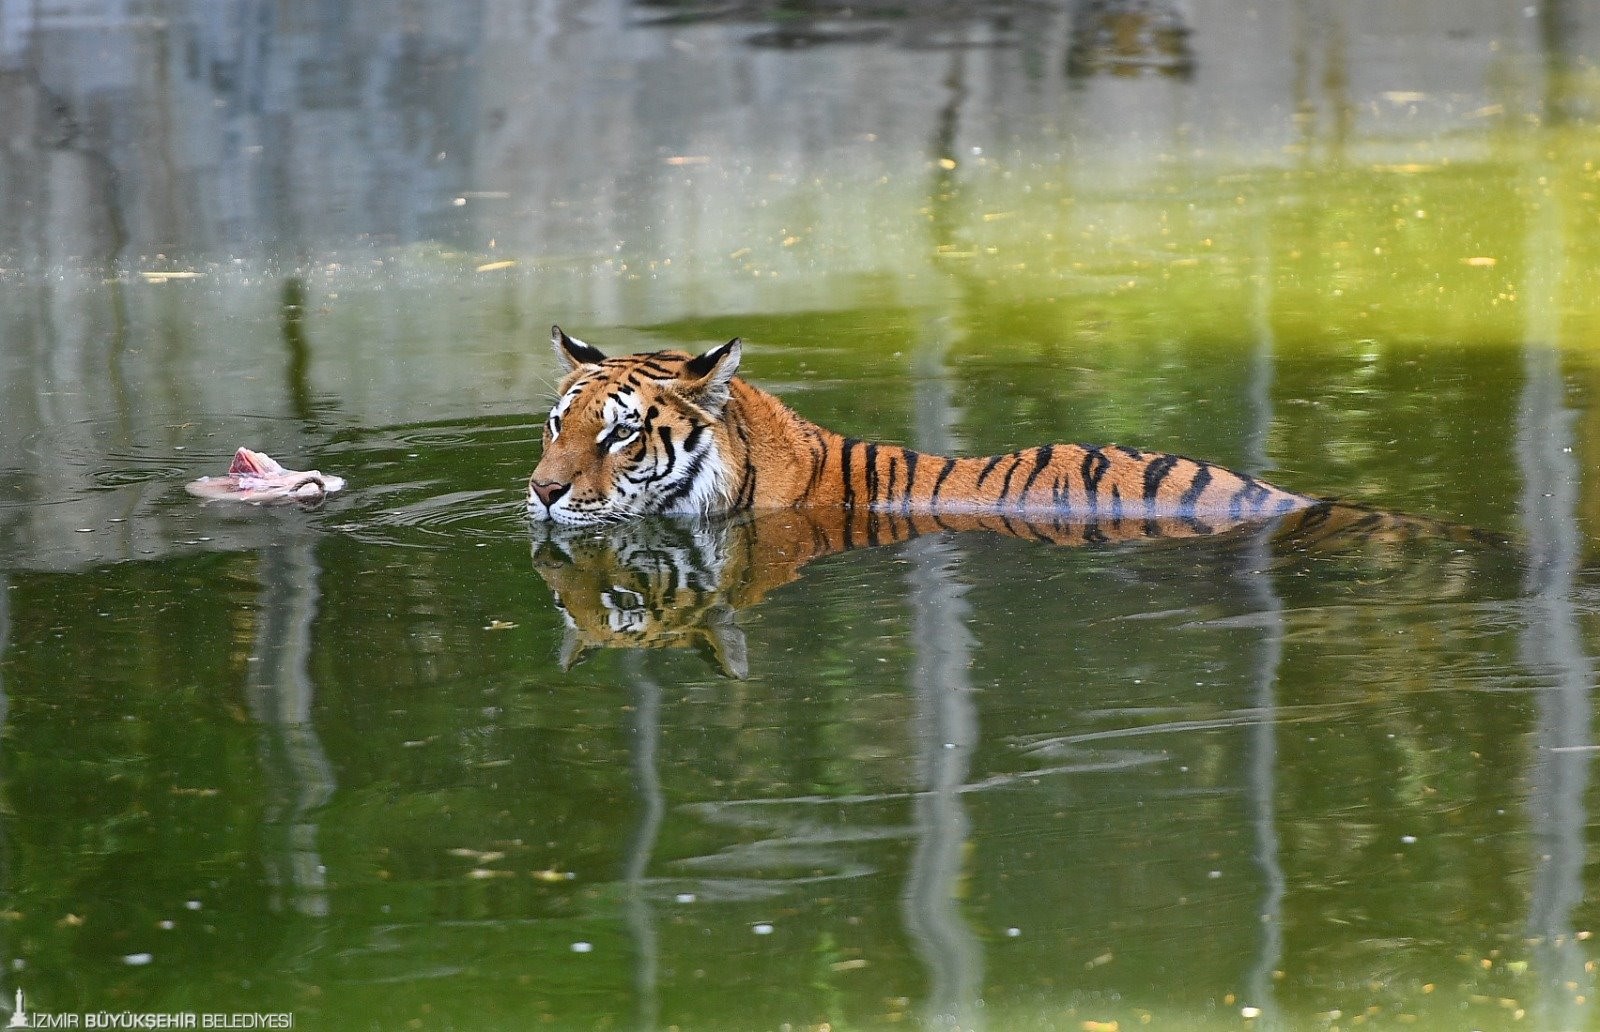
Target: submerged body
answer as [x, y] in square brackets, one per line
[665, 432]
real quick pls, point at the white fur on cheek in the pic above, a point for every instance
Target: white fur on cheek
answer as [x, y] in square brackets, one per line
[710, 493]
[706, 494]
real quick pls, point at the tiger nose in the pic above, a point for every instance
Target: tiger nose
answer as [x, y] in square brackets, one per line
[548, 491]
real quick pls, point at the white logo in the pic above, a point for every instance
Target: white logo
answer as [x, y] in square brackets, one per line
[20, 1018]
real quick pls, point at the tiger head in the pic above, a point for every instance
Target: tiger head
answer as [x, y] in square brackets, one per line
[632, 436]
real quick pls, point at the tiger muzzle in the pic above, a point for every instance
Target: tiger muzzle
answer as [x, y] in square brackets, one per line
[547, 491]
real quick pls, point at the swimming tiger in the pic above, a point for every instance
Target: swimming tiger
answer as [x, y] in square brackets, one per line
[666, 432]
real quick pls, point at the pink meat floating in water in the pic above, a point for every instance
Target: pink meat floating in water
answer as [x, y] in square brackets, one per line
[256, 477]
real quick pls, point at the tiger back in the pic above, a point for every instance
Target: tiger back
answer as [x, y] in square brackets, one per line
[666, 432]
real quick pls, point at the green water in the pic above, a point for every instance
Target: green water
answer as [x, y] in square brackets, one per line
[357, 765]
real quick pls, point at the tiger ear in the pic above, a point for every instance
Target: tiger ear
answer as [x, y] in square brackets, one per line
[724, 643]
[573, 353]
[572, 649]
[706, 377]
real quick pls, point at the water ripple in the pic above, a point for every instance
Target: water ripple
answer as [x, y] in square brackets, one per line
[426, 485]
[481, 514]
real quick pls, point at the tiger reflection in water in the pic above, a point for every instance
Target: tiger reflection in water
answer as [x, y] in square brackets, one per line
[655, 583]
[677, 582]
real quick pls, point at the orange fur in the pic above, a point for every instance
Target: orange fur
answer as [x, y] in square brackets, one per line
[667, 432]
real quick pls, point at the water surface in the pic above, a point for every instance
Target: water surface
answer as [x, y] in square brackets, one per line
[396, 763]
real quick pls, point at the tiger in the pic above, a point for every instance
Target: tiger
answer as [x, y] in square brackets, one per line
[666, 432]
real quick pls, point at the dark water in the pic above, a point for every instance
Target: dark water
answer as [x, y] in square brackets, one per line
[406, 761]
